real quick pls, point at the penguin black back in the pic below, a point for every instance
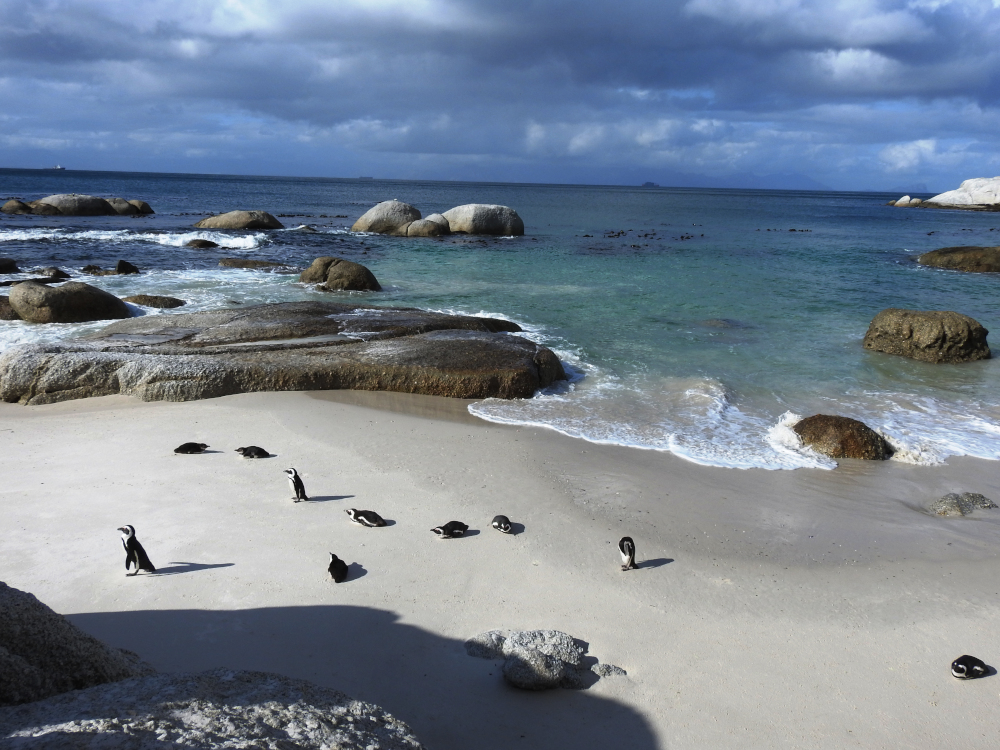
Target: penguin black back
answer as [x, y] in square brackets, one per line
[337, 569]
[968, 667]
[190, 448]
[135, 555]
[627, 548]
[253, 451]
[501, 524]
[450, 529]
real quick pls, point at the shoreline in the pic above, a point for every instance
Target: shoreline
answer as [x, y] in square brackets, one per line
[783, 608]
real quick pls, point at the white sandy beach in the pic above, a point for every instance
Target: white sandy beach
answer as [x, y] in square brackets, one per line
[807, 608]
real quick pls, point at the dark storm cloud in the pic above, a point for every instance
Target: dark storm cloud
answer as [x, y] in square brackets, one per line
[854, 93]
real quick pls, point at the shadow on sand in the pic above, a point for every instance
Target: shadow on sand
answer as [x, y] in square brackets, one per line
[449, 699]
[175, 568]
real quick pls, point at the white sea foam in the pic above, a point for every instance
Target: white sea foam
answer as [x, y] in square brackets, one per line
[170, 239]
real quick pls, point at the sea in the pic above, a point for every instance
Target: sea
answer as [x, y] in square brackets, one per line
[698, 322]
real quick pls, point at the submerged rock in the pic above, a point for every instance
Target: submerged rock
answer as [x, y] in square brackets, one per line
[387, 217]
[6, 311]
[264, 265]
[955, 504]
[41, 208]
[288, 346]
[842, 437]
[43, 654]
[971, 258]
[218, 709]
[122, 268]
[52, 272]
[240, 220]
[483, 218]
[73, 302]
[337, 274]
[201, 244]
[154, 300]
[937, 336]
[9, 265]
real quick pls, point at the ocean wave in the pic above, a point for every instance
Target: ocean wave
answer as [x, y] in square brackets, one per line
[117, 236]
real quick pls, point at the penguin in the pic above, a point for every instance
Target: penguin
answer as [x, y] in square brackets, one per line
[337, 569]
[189, 448]
[134, 553]
[627, 547]
[253, 451]
[968, 667]
[501, 524]
[368, 518]
[450, 530]
[298, 488]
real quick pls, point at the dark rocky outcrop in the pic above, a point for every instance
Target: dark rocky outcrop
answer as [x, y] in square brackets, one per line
[201, 244]
[842, 437]
[154, 300]
[6, 311]
[955, 504]
[241, 220]
[288, 346]
[41, 208]
[122, 268]
[540, 659]
[9, 265]
[388, 217]
[263, 265]
[217, 709]
[971, 258]
[143, 207]
[53, 273]
[72, 302]
[928, 335]
[14, 206]
[74, 204]
[43, 654]
[337, 274]
[483, 218]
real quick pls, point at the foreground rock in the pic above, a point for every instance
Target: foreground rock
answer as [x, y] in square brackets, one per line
[154, 300]
[482, 218]
[288, 346]
[217, 709]
[971, 258]
[387, 217]
[337, 274]
[955, 504]
[979, 193]
[241, 220]
[540, 659]
[842, 437]
[42, 653]
[928, 335]
[73, 302]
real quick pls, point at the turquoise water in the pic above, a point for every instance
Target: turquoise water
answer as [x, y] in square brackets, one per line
[688, 325]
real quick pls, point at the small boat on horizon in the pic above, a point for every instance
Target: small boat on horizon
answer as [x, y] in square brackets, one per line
[56, 167]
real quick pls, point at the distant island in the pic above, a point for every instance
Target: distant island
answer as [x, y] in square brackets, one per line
[649, 184]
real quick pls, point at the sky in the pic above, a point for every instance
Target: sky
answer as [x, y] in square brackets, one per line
[841, 94]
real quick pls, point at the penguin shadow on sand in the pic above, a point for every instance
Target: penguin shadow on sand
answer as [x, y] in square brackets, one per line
[327, 498]
[516, 528]
[176, 568]
[656, 562]
[355, 571]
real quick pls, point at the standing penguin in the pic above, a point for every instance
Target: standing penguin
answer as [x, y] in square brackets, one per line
[967, 667]
[627, 548]
[337, 569]
[135, 555]
[298, 488]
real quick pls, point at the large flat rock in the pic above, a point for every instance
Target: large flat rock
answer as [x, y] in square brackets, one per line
[284, 347]
[981, 193]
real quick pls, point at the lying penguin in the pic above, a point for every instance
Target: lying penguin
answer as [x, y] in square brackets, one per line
[968, 667]
[501, 524]
[190, 448]
[450, 530]
[368, 518]
[253, 451]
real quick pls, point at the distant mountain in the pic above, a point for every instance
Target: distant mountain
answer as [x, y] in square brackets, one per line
[914, 187]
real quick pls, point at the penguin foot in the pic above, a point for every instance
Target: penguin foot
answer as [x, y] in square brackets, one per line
[129, 575]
